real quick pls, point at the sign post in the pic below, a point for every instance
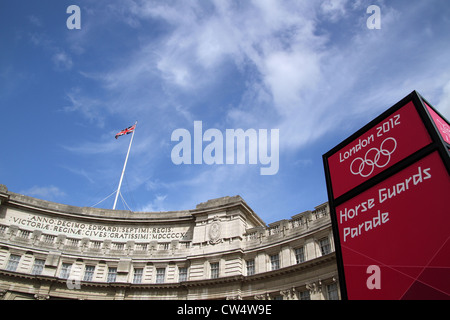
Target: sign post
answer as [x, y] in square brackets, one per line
[388, 187]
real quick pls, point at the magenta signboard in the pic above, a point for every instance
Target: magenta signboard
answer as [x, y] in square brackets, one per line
[407, 238]
[388, 188]
[385, 144]
[442, 125]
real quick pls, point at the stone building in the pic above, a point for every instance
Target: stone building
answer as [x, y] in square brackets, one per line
[219, 250]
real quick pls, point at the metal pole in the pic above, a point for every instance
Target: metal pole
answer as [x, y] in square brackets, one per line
[123, 170]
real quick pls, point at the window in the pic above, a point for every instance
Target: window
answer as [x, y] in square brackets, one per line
[65, 270]
[275, 261]
[182, 274]
[160, 275]
[325, 247]
[88, 273]
[112, 273]
[299, 255]
[137, 275]
[214, 270]
[304, 295]
[38, 266]
[250, 267]
[13, 262]
[332, 292]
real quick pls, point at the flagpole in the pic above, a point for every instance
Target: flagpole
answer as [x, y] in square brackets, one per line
[124, 166]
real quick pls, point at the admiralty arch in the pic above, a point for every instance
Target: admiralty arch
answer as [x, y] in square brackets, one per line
[219, 250]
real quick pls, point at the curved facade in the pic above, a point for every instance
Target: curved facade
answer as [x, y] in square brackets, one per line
[219, 250]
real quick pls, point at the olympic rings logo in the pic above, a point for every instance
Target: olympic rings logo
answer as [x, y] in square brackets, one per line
[374, 158]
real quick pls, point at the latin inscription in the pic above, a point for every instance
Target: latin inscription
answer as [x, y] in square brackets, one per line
[98, 231]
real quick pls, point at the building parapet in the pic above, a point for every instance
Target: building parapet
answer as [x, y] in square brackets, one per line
[302, 223]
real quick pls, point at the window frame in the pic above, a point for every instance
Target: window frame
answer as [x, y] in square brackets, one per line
[13, 262]
[214, 269]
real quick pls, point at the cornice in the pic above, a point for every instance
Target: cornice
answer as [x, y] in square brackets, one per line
[331, 257]
[30, 204]
[293, 268]
[104, 215]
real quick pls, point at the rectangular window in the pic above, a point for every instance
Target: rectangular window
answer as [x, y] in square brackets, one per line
[88, 273]
[160, 275]
[137, 275]
[13, 262]
[250, 267]
[65, 270]
[332, 292]
[325, 247]
[182, 274]
[214, 270]
[299, 255]
[275, 261]
[112, 274]
[304, 295]
[38, 266]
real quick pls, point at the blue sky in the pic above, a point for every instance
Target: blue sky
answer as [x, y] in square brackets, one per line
[311, 69]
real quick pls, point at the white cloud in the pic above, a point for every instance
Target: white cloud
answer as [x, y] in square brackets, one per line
[333, 9]
[81, 172]
[288, 74]
[91, 108]
[92, 148]
[62, 61]
[157, 204]
[295, 75]
[35, 21]
[44, 193]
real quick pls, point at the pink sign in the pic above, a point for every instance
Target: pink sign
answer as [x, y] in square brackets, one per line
[441, 124]
[388, 142]
[395, 236]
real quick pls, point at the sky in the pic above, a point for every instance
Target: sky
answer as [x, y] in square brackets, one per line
[313, 70]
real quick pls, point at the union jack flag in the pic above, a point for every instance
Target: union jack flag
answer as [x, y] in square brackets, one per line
[126, 131]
